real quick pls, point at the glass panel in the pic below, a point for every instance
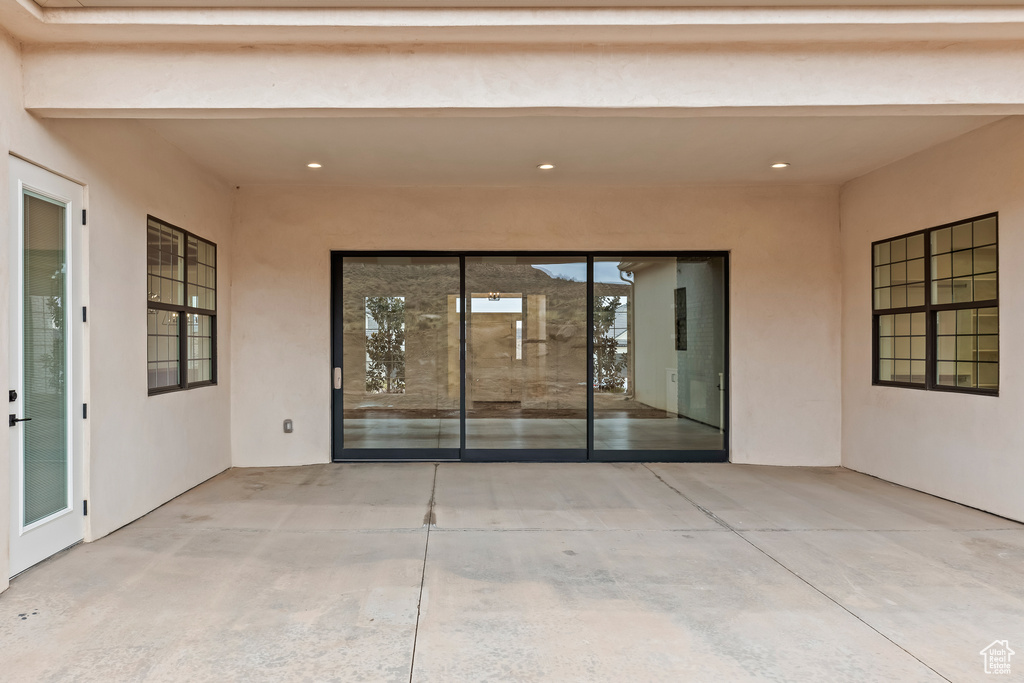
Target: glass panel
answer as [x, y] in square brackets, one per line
[163, 349]
[192, 264]
[985, 287]
[946, 374]
[44, 400]
[917, 369]
[885, 370]
[886, 325]
[881, 254]
[902, 347]
[903, 324]
[942, 266]
[917, 323]
[915, 270]
[965, 321]
[898, 249]
[537, 400]
[882, 276]
[942, 292]
[941, 241]
[963, 290]
[917, 348]
[200, 345]
[988, 348]
[985, 232]
[946, 348]
[988, 376]
[988, 320]
[898, 273]
[885, 347]
[915, 294]
[965, 348]
[401, 352]
[882, 298]
[209, 301]
[985, 259]
[659, 353]
[166, 263]
[962, 236]
[915, 246]
[901, 373]
[963, 263]
[965, 374]
[898, 296]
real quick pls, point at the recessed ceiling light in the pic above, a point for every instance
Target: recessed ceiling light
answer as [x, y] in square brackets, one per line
[313, 165]
[781, 164]
[546, 167]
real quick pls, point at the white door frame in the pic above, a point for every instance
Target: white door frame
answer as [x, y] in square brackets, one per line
[32, 543]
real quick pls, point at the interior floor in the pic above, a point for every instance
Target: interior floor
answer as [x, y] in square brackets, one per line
[610, 433]
[526, 572]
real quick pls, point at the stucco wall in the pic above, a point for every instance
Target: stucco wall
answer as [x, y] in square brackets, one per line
[143, 451]
[965, 448]
[785, 293]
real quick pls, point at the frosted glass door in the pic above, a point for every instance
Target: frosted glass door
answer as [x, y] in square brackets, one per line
[44, 362]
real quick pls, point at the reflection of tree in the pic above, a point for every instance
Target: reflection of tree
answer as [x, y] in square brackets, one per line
[608, 363]
[385, 346]
[53, 362]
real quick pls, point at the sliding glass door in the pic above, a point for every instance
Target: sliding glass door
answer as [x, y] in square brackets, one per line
[526, 357]
[530, 356]
[659, 356]
[400, 373]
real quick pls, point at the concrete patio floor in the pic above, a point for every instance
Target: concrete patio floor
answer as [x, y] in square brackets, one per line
[528, 572]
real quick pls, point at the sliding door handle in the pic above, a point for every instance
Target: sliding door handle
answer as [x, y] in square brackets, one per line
[13, 420]
[337, 378]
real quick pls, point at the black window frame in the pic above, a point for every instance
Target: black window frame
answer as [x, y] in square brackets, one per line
[184, 310]
[930, 310]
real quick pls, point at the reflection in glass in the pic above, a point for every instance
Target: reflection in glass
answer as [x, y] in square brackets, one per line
[659, 353]
[526, 347]
[401, 352]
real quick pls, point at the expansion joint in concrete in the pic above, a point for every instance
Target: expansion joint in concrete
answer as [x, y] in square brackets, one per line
[429, 522]
[718, 520]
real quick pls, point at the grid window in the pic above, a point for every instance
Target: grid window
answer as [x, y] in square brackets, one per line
[182, 308]
[944, 335]
[899, 272]
[902, 348]
[200, 348]
[967, 349]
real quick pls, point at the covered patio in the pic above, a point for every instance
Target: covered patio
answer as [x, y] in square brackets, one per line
[558, 572]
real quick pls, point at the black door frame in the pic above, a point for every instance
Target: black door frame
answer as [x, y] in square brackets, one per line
[340, 454]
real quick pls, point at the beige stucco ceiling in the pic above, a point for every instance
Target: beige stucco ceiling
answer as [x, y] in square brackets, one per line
[202, 4]
[587, 150]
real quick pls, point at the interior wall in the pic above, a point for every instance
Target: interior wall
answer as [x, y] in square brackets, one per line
[143, 450]
[958, 446]
[704, 357]
[655, 362]
[784, 297]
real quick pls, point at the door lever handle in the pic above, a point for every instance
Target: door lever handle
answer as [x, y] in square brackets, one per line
[13, 420]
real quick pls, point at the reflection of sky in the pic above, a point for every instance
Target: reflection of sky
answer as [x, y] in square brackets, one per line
[604, 271]
[608, 272]
[577, 272]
